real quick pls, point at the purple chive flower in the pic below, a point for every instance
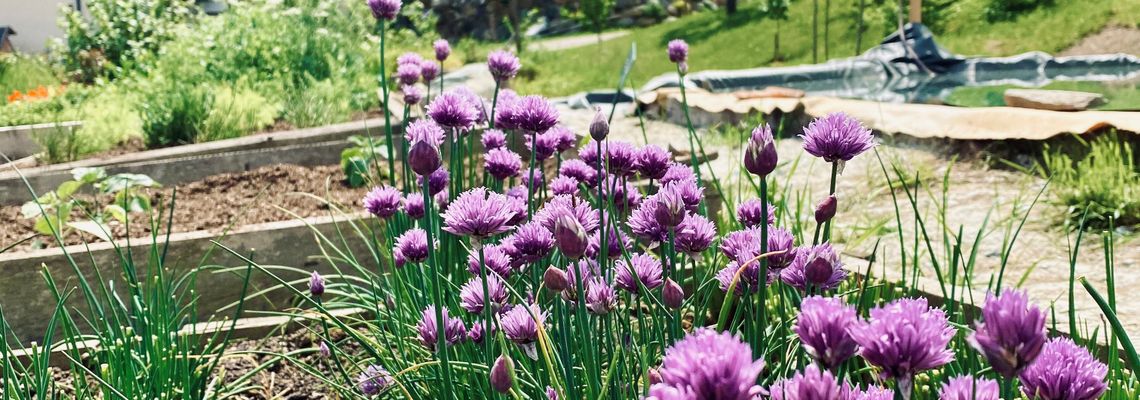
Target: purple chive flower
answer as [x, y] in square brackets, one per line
[564, 185]
[589, 154]
[600, 125]
[904, 338]
[555, 279]
[621, 158]
[741, 245]
[384, 9]
[822, 327]
[424, 157]
[520, 326]
[442, 200]
[324, 349]
[814, 268]
[532, 186]
[424, 130]
[413, 245]
[1064, 371]
[837, 137]
[646, 270]
[570, 236]
[625, 196]
[429, 70]
[560, 205]
[600, 297]
[412, 94]
[760, 156]
[535, 114]
[383, 202]
[518, 192]
[475, 332]
[752, 215]
[694, 235]
[580, 171]
[678, 51]
[969, 388]
[551, 394]
[502, 163]
[564, 138]
[414, 205]
[543, 146]
[708, 365]
[472, 299]
[374, 380]
[453, 331]
[477, 213]
[442, 49]
[749, 278]
[825, 210]
[504, 65]
[690, 193]
[505, 115]
[531, 242]
[678, 172]
[1013, 332]
[493, 139]
[453, 109]
[495, 257]
[502, 374]
[672, 295]
[643, 222]
[617, 244]
[780, 240]
[477, 102]
[437, 181]
[810, 384]
[872, 393]
[670, 210]
[409, 58]
[408, 74]
[316, 284]
[653, 161]
[587, 268]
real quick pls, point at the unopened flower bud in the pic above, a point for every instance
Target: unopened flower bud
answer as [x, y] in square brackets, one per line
[570, 237]
[600, 126]
[825, 210]
[502, 374]
[424, 158]
[316, 284]
[555, 279]
[672, 294]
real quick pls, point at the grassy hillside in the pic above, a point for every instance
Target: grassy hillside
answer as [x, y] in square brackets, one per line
[746, 39]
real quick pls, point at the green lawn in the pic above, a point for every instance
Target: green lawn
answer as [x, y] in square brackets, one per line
[746, 40]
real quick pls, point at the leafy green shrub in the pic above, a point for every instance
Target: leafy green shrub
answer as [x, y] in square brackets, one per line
[18, 72]
[175, 113]
[111, 36]
[1105, 180]
[321, 103]
[109, 118]
[235, 113]
[52, 211]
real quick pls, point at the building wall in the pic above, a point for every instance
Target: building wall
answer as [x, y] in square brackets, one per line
[35, 22]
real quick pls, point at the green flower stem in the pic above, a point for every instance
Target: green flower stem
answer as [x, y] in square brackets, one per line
[437, 286]
[387, 112]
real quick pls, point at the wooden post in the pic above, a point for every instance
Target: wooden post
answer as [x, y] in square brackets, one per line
[916, 11]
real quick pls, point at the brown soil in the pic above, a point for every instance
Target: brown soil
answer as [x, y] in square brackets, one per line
[215, 203]
[1112, 39]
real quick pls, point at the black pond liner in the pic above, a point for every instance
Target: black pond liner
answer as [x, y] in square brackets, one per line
[918, 72]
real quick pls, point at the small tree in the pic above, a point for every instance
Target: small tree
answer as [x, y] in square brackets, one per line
[596, 13]
[776, 10]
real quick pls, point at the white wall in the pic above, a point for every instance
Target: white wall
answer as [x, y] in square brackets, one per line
[35, 22]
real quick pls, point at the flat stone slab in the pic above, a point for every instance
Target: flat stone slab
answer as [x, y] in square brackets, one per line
[1053, 100]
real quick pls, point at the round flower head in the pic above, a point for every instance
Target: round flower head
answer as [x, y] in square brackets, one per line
[670, 210]
[413, 245]
[495, 257]
[678, 172]
[543, 146]
[1064, 371]
[414, 205]
[408, 74]
[672, 295]
[535, 114]
[586, 268]
[820, 264]
[453, 330]
[519, 207]
[643, 222]
[534, 185]
[453, 109]
[564, 185]
[751, 214]
[678, 50]
[504, 65]
[589, 154]
[600, 296]
[502, 163]
[316, 284]
[780, 240]
[708, 365]
[493, 139]
[741, 245]
[471, 296]
[409, 58]
[475, 332]
[570, 236]
[625, 196]
[373, 380]
[478, 213]
[837, 137]
[1013, 332]
[822, 327]
[424, 157]
[617, 244]
[653, 161]
[810, 384]
[580, 171]
[694, 235]
[520, 326]
[600, 125]
[560, 205]
[442, 199]
[969, 388]
[412, 94]
[383, 202]
[748, 280]
[442, 49]
[904, 338]
[384, 9]
[564, 138]
[429, 70]
[505, 110]
[871, 393]
[518, 192]
[531, 242]
[646, 271]
[760, 156]
[437, 181]
[424, 130]
[621, 158]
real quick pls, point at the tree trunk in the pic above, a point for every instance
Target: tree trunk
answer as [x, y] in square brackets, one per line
[730, 7]
[814, 31]
[516, 26]
[859, 29]
[826, 29]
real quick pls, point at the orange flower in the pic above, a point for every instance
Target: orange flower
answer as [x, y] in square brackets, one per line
[15, 96]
